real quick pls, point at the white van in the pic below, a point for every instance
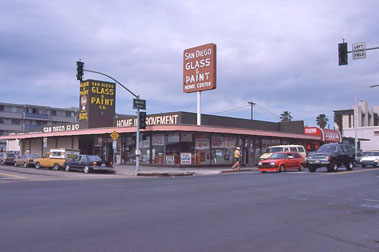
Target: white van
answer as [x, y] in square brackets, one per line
[284, 148]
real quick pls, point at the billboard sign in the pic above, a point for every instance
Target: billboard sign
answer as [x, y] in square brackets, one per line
[326, 135]
[96, 104]
[199, 68]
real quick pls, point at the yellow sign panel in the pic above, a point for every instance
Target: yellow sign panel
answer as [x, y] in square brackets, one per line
[114, 135]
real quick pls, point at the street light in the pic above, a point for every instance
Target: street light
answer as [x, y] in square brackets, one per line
[356, 117]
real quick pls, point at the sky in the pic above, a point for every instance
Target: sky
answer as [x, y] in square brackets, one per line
[281, 55]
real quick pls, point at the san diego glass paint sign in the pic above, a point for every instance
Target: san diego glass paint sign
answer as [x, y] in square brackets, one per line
[199, 68]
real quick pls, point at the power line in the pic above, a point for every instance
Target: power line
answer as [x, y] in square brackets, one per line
[242, 107]
[230, 110]
[267, 110]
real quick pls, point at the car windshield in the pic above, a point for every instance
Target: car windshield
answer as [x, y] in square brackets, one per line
[11, 155]
[326, 148]
[34, 156]
[274, 149]
[278, 156]
[94, 158]
[374, 153]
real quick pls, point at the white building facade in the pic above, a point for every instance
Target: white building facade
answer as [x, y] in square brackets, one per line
[367, 125]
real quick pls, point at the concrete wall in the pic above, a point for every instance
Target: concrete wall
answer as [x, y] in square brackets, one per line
[35, 145]
[371, 133]
[13, 145]
[296, 127]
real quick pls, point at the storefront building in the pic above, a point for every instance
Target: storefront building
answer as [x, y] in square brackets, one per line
[171, 139]
[324, 135]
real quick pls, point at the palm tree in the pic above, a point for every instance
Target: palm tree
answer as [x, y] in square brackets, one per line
[286, 116]
[322, 120]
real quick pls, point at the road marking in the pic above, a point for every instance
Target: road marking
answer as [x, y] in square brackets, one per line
[10, 175]
[376, 206]
[316, 194]
[371, 200]
[346, 172]
[297, 198]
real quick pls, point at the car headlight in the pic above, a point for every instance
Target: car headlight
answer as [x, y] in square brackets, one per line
[272, 163]
[260, 163]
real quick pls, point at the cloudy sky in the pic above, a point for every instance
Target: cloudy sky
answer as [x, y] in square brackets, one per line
[281, 55]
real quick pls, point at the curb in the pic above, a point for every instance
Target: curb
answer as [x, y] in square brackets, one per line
[165, 174]
[234, 171]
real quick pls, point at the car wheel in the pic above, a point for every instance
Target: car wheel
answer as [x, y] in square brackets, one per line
[263, 171]
[301, 168]
[67, 168]
[86, 169]
[38, 165]
[25, 165]
[282, 168]
[349, 166]
[332, 167]
[363, 165]
[311, 168]
[56, 167]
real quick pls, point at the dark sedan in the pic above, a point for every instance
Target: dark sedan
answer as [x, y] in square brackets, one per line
[7, 158]
[88, 163]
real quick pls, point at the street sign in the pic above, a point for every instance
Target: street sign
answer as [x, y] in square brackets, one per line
[114, 135]
[359, 50]
[139, 104]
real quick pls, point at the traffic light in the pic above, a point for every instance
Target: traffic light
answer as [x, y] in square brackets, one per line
[342, 54]
[142, 120]
[79, 69]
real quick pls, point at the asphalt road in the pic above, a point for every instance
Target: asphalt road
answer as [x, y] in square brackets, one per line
[292, 211]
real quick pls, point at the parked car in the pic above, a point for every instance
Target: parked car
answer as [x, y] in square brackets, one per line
[359, 156]
[332, 156]
[282, 161]
[55, 158]
[370, 159]
[88, 163]
[7, 158]
[283, 148]
[26, 160]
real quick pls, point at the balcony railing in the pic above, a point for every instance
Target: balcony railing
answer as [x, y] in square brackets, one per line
[37, 116]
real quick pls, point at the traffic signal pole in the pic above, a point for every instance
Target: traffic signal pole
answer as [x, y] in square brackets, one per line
[79, 76]
[138, 151]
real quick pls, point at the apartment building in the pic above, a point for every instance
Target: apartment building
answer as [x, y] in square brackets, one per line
[367, 122]
[25, 117]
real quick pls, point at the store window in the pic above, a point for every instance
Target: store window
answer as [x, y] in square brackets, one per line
[222, 150]
[202, 149]
[187, 154]
[145, 148]
[128, 149]
[173, 149]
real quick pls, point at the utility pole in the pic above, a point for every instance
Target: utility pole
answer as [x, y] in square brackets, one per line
[252, 105]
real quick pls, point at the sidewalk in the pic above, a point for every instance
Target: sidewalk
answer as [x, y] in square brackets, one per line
[166, 171]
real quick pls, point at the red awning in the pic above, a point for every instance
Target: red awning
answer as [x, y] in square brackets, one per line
[188, 128]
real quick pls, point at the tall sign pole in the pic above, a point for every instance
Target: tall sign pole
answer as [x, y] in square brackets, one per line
[138, 151]
[199, 71]
[199, 108]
